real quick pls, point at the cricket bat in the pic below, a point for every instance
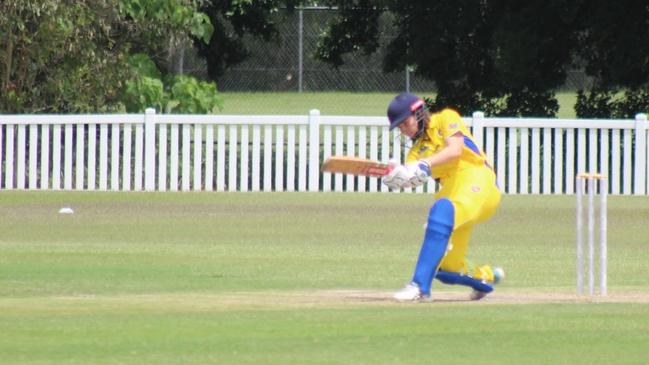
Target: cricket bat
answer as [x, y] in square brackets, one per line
[356, 166]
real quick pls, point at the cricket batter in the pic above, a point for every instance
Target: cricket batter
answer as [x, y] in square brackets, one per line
[444, 149]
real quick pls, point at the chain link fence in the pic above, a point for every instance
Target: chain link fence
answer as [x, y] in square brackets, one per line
[288, 66]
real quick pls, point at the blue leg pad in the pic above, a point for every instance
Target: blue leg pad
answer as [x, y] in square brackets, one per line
[454, 278]
[438, 231]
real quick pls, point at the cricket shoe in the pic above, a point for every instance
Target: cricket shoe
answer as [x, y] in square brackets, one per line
[498, 277]
[411, 293]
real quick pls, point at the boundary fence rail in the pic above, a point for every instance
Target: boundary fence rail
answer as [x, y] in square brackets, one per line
[161, 152]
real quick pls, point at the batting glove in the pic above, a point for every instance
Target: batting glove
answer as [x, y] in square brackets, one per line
[398, 178]
[420, 173]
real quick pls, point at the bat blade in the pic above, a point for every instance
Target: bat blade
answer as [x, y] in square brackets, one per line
[356, 166]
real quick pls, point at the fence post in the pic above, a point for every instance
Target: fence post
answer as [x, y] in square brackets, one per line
[300, 50]
[478, 129]
[149, 149]
[314, 149]
[640, 168]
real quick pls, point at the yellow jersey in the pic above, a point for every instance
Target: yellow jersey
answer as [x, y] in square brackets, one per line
[441, 126]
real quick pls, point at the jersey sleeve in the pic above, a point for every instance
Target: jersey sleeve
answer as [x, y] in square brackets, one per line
[451, 123]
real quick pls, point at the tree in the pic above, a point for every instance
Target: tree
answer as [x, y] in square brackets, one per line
[74, 56]
[614, 47]
[55, 55]
[167, 23]
[534, 44]
[232, 20]
[505, 57]
[357, 28]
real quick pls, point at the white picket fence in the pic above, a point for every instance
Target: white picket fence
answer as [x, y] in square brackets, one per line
[283, 153]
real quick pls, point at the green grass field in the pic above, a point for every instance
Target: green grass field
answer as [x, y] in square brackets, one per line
[336, 103]
[303, 278]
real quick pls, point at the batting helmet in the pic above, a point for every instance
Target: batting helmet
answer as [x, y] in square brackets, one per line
[403, 106]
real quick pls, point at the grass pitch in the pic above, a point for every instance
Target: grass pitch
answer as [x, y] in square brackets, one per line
[277, 278]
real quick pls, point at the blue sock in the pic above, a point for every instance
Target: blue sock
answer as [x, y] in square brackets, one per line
[455, 278]
[438, 231]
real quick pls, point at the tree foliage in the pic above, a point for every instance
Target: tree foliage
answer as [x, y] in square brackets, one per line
[505, 57]
[74, 56]
[356, 29]
[232, 20]
[614, 46]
